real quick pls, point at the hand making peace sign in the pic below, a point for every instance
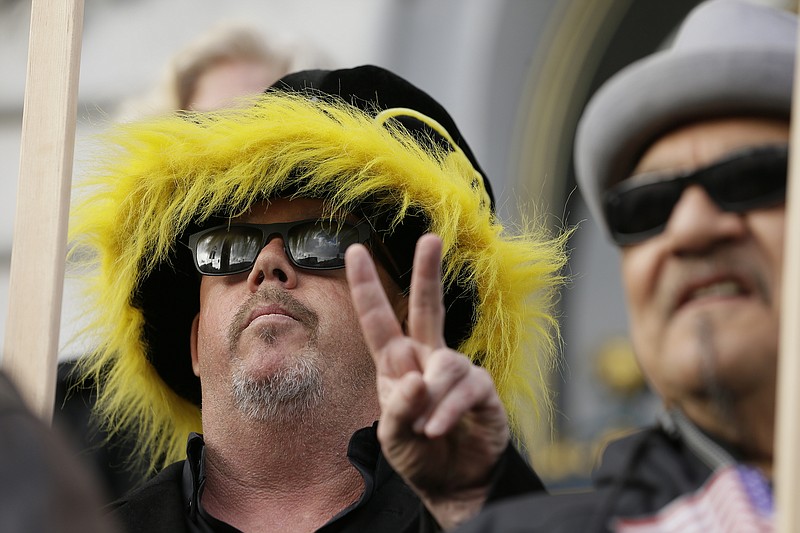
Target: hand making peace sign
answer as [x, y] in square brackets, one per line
[443, 426]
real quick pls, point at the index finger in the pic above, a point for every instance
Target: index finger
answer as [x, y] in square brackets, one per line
[425, 308]
[378, 320]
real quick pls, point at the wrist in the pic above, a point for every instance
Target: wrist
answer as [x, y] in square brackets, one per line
[456, 508]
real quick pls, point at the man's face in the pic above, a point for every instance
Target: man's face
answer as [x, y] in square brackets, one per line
[704, 294]
[279, 341]
[223, 82]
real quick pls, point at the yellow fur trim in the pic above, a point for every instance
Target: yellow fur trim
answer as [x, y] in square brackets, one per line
[162, 174]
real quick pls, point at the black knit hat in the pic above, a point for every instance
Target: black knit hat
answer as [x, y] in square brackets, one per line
[372, 89]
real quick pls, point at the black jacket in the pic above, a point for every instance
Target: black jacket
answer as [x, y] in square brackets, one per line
[169, 501]
[639, 475]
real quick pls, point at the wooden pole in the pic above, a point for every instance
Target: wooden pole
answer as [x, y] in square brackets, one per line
[40, 227]
[786, 467]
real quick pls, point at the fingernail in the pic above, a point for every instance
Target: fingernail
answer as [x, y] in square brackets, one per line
[434, 428]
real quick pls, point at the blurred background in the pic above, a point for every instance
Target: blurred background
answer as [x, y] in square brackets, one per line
[515, 75]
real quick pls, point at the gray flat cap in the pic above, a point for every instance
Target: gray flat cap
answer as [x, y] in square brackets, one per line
[730, 57]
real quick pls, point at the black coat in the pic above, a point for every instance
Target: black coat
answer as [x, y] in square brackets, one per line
[157, 506]
[165, 502]
[639, 475]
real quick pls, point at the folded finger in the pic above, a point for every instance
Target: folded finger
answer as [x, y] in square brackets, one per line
[474, 394]
[444, 370]
[406, 402]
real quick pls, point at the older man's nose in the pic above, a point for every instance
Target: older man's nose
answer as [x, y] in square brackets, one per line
[697, 222]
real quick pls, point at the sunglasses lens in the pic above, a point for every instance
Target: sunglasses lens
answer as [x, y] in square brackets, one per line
[321, 244]
[228, 250]
[636, 212]
[749, 182]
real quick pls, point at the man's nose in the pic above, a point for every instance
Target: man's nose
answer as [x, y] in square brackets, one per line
[272, 265]
[697, 222]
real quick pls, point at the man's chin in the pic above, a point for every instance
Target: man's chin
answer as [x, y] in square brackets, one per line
[720, 378]
[265, 339]
[286, 392]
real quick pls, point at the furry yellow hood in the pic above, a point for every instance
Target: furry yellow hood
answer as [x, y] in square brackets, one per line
[158, 180]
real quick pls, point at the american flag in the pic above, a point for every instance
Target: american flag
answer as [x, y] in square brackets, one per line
[736, 499]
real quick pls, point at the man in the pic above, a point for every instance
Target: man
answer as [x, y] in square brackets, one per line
[217, 67]
[45, 489]
[219, 242]
[682, 157]
[227, 62]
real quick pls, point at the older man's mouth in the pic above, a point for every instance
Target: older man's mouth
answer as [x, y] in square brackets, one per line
[722, 288]
[707, 290]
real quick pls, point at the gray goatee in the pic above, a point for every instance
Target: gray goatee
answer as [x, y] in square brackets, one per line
[294, 389]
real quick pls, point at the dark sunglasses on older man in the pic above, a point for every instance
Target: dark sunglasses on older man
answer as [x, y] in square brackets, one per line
[311, 244]
[639, 207]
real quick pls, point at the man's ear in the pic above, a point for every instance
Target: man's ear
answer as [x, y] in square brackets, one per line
[193, 345]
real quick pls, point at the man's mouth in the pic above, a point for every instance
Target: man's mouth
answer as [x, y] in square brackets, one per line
[270, 310]
[717, 287]
[270, 302]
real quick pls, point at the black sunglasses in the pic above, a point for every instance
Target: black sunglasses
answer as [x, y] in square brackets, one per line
[639, 207]
[311, 244]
